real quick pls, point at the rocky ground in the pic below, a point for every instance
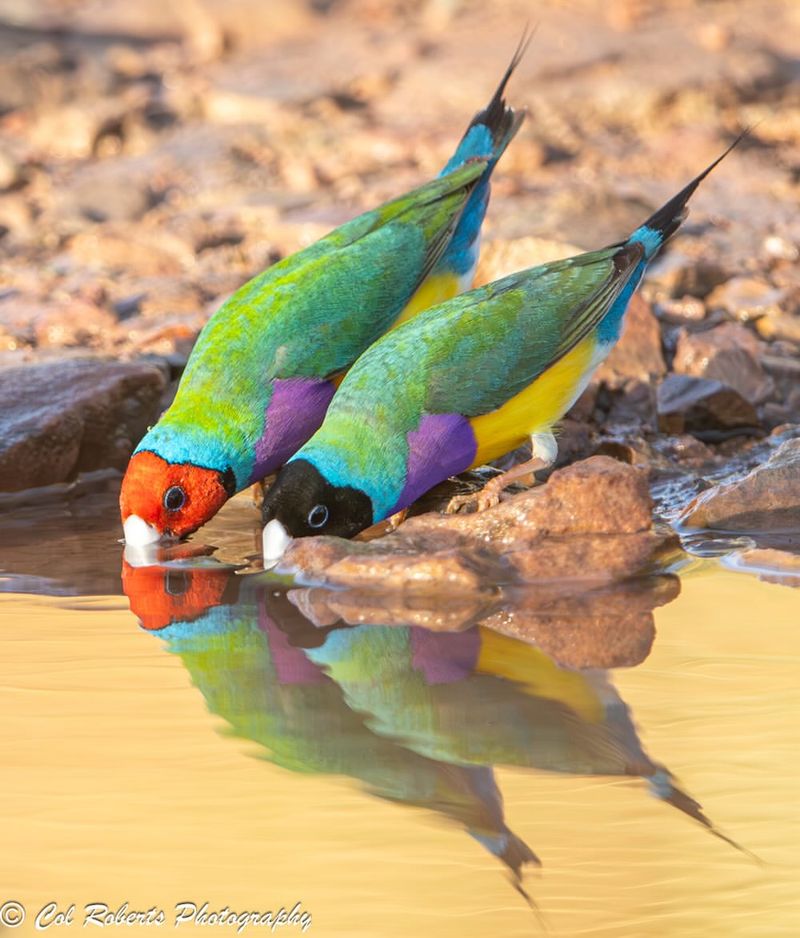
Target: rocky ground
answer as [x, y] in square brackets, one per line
[155, 156]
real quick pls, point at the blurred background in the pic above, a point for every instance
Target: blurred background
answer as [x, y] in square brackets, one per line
[154, 156]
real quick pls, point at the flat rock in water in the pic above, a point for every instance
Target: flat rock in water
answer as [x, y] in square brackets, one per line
[769, 564]
[591, 521]
[767, 500]
[609, 627]
[63, 417]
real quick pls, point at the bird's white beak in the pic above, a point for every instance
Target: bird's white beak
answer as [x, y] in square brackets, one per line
[138, 533]
[275, 541]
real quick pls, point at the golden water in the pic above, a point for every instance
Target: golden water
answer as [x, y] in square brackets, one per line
[120, 785]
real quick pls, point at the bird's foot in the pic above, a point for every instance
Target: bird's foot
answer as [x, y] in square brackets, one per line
[484, 498]
[394, 522]
[489, 495]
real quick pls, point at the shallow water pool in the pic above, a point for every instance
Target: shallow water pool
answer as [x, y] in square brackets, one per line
[242, 750]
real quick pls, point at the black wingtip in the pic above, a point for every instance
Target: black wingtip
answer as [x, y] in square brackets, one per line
[499, 118]
[670, 216]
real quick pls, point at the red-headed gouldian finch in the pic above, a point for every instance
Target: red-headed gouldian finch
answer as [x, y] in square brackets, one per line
[266, 365]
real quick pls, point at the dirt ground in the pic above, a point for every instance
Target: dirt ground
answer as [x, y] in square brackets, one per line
[155, 156]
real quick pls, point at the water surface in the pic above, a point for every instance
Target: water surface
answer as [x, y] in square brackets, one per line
[234, 740]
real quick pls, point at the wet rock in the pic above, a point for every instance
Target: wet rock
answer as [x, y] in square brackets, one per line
[766, 500]
[745, 298]
[638, 353]
[629, 447]
[730, 354]
[590, 521]
[439, 612]
[609, 628]
[64, 417]
[579, 628]
[685, 450]
[702, 406]
[771, 565]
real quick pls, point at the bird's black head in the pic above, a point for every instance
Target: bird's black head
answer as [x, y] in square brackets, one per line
[302, 502]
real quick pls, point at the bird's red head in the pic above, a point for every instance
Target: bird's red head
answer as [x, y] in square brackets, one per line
[160, 596]
[161, 500]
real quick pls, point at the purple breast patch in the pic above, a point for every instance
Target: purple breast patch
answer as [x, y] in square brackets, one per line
[294, 414]
[443, 445]
[444, 658]
[290, 663]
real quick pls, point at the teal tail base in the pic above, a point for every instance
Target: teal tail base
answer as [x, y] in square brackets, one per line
[489, 133]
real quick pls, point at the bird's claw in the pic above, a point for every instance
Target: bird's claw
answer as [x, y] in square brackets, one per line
[484, 498]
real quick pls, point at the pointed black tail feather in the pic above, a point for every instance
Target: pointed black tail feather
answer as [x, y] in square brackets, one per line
[667, 790]
[666, 221]
[501, 120]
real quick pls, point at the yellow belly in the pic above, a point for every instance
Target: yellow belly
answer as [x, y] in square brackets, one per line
[537, 674]
[435, 289]
[537, 408]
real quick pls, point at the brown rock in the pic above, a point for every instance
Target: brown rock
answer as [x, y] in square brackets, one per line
[54, 323]
[73, 131]
[764, 501]
[609, 628]
[681, 309]
[592, 628]
[60, 418]
[745, 298]
[779, 324]
[638, 352]
[680, 275]
[591, 521]
[151, 254]
[699, 405]
[730, 354]
[595, 496]
[785, 372]
[73, 323]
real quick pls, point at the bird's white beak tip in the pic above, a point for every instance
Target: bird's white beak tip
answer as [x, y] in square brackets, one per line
[138, 533]
[275, 540]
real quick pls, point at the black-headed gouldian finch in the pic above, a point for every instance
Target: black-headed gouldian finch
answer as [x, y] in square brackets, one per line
[266, 365]
[461, 385]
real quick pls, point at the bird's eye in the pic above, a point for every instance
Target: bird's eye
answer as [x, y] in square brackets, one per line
[318, 516]
[174, 498]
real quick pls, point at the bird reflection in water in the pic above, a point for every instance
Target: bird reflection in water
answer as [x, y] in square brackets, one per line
[418, 716]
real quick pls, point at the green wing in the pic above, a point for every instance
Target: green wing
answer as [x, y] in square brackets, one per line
[478, 350]
[313, 313]
[498, 343]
